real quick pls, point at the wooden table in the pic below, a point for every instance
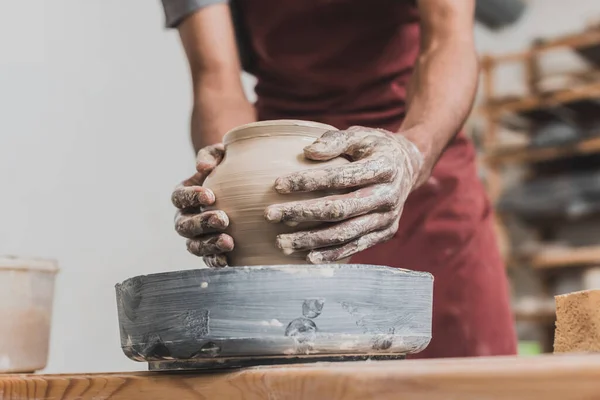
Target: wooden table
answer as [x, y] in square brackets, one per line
[545, 377]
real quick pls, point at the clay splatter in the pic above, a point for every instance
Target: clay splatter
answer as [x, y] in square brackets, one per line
[153, 346]
[382, 342]
[273, 322]
[302, 330]
[197, 323]
[210, 349]
[311, 308]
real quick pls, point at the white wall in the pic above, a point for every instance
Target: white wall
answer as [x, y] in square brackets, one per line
[542, 18]
[94, 102]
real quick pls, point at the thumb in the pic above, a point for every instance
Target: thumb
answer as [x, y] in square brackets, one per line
[330, 145]
[208, 158]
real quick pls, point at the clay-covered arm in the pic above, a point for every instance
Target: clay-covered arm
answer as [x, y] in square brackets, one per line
[220, 104]
[443, 85]
[386, 166]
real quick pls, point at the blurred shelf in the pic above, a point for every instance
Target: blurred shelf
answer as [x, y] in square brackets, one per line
[542, 101]
[558, 257]
[548, 103]
[591, 50]
[579, 111]
[544, 317]
[542, 312]
[588, 38]
[520, 154]
[582, 40]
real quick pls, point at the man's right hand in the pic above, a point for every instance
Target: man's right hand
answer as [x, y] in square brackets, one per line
[203, 229]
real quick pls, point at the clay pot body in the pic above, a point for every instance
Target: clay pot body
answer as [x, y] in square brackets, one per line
[256, 155]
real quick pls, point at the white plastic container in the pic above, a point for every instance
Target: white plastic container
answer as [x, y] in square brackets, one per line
[26, 297]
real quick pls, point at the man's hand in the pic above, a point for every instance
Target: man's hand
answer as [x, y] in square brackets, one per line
[385, 168]
[202, 228]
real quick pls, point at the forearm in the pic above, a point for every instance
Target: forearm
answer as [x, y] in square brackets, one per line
[444, 83]
[219, 100]
[219, 105]
[441, 98]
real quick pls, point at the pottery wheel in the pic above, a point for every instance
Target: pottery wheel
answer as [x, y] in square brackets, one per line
[242, 316]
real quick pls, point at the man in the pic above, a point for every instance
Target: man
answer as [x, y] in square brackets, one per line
[398, 77]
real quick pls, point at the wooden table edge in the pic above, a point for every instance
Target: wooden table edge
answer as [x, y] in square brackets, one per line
[545, 376]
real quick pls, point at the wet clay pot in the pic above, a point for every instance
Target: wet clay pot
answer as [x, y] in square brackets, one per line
[256, 155]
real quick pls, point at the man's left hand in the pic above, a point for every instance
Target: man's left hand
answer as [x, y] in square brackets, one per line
[385, 168]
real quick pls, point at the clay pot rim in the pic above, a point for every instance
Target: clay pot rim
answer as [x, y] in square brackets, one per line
[16, 263]
[315, 129]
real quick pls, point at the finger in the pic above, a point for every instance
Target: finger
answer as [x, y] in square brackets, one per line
[210, 244]
[192, 196]
[330, 145]
[340, 252]
[209, 157]
[215, 261]
[370, 145]
[206, 160]
[192, 225]
[336, 234]
[337, 207]
[359, 173]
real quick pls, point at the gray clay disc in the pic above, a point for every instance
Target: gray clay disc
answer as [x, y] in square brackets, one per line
[275, 311]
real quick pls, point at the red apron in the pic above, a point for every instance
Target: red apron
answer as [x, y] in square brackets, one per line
[347, 62]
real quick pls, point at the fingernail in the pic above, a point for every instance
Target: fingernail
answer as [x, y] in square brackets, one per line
[204, 166]
[319, 146]
[219, 220]
[285, 243]
[273, 214]
[283, 185]
[223, 243]
[192, 246]
[315, 258]
[205, 196]
[316, 147]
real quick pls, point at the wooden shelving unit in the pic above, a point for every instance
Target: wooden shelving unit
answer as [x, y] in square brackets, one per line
[543, 315]
[496, 109]
[524, 112]
[539, 101]
[523, 154]
[566, 257]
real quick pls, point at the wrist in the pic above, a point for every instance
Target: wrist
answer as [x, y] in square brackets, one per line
[213, 118]
[424, 145]
[219, 97]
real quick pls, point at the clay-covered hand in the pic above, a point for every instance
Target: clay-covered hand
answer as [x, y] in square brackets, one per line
[203, 229]
[384, 168]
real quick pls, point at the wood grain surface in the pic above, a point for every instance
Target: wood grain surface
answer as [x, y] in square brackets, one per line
[545, 377]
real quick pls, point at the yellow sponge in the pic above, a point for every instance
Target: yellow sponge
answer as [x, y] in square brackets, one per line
[577, 322]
